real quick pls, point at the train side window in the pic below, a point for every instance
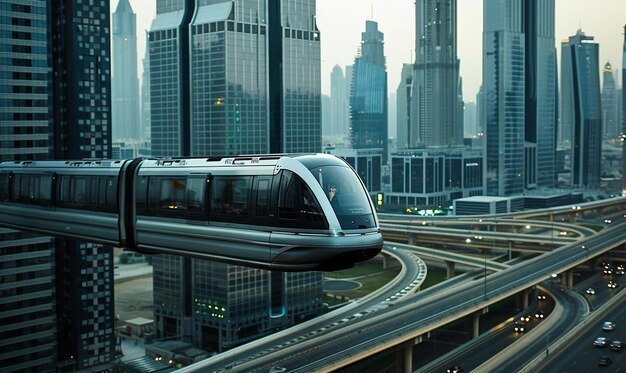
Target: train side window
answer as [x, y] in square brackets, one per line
[172, 194]
[141, 195]
[33, 189]
[229, 197]
[4, 186]
[297, 207]
[45, 189]
[195, 193]
[262, 197]
[79, 190]
[105, 198]
[288, 196]
[73, 191]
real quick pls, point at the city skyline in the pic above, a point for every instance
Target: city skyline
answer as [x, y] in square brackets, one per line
[397, 22]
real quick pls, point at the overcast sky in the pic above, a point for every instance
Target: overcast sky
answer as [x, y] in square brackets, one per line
[342, 21]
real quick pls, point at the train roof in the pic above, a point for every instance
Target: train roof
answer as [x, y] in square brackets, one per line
[311, 160]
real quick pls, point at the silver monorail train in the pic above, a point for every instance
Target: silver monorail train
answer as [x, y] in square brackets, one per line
[276, 212]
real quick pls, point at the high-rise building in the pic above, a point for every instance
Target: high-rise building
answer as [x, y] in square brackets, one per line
[470, 128]
[57, 305]
[540, 93]
[145, 96]
[339, 104]
[252, 70]
[435, 98]
[503, 95]
[519, 96]
[403, 108]
[81, 40]
[368, 94]
[610, 125]
[581, 114]
[169, 78]
[28, 314]
[125, 80]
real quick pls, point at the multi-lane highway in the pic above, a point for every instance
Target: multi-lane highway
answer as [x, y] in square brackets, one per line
[361, 334]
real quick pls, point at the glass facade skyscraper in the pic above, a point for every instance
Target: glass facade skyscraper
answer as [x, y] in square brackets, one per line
[125, 80]
[435, 97]
[81, 55]
[503, 92]
[581, 114]
[57, 296]
[227, 78]
[519, 96]
[368, 94]
[610, 126]
[541, 110]
[340, 120]
[169, 81]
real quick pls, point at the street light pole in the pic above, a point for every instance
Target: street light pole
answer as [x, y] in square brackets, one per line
[486, 271]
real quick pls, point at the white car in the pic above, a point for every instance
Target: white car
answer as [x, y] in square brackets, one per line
[600, 342]
[590, 291]
[608, 326]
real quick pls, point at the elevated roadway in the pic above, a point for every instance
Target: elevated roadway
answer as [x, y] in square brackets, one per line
[407, 321]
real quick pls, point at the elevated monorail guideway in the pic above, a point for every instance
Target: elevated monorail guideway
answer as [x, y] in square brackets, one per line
[276, 212]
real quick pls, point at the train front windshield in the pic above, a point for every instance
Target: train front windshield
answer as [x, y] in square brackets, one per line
[346, 195]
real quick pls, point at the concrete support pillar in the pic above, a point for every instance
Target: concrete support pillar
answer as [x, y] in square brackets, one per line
[412, 239]
[564, 280]
[525, 296]
[385, 261]
[450, 272]
[570, 280]
[408, 356]
[476, 324]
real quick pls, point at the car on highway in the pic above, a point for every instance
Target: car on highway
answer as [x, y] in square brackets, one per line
[524, 318]
[519, 327]
[608, 269]
[612, 284]
[600, 342]
[608, 326]
[617, 345]
[604, 361]
[590, 291]
[607, 221]
[539, 315]
[455, 370]
[619, 270]
[277, 370]
[542, 297]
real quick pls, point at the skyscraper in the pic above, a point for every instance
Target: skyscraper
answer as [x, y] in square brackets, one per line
[339, 103]
[368, 94]
[503, 93]
[540, 93]
[404, 106]
[57, 303]
[610, 126]
[435, 96]
[581, 115]
[252, 69]
[82, 110]
[169, 78]
[28, 316]
[519, 96]
[125, 82]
